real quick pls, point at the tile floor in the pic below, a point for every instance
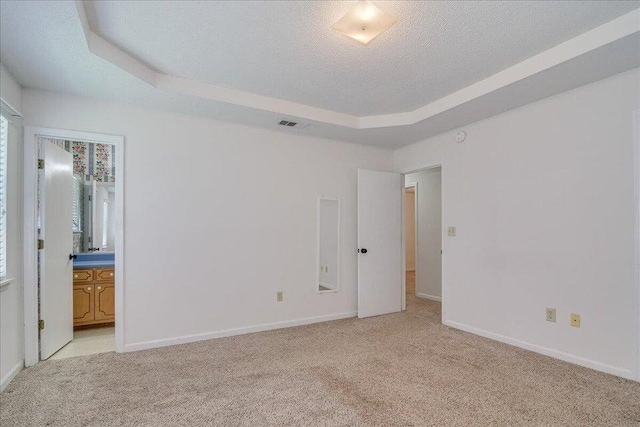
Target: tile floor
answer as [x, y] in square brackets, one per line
[88, 341]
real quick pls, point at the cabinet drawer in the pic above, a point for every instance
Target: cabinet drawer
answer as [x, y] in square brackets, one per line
[105, 274]
[81, 275]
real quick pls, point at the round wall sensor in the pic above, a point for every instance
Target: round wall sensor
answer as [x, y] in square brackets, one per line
[461, 136]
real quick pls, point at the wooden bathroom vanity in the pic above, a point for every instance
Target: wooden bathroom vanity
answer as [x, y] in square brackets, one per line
[93, 296]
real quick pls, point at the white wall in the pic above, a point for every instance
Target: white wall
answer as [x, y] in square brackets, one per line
[10, 90]
[542, 197]
[428, 263]
[11, 329]
[410, 229]
[200, 256]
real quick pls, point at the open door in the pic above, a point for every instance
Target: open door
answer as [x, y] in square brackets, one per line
[379, 243]
[56, 267]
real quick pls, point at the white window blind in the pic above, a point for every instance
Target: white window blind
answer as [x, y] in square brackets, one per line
[3, 196]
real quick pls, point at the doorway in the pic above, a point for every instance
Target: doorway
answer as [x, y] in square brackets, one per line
[423, 232]
[73, 244]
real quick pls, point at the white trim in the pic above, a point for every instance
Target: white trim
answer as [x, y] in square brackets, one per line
[4, 284]
[636, 207]
[31, 345]
[567, 357]
[4, 382]
[427, 296]
[326, 285]
[413, 185]
[598, 37]
[30, 240]
[236, 331]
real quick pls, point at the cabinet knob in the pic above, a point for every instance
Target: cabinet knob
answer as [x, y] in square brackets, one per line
[75, 276]
[89, 288]
[110, 274]
[99, 287]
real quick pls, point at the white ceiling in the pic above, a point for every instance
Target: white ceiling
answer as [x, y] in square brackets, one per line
[287, 50]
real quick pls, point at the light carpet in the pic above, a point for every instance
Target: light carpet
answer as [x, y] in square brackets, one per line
[404, 369]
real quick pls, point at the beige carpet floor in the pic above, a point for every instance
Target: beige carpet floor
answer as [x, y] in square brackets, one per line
[405, 369]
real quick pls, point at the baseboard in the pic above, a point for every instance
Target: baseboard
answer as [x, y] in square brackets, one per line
[427, 296]
[567, 357]
[236, 331]
[4, 382]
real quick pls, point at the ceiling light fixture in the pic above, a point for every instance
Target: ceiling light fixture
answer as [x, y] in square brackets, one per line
[364, 22]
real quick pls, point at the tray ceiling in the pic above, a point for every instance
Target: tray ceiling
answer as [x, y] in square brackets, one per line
[424, 76]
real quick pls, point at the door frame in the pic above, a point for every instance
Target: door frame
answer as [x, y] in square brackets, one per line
[443, 281]
[30, 238]
[636, 208]
[413, 185]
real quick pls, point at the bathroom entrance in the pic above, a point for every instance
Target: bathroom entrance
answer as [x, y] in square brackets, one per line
[78, 215]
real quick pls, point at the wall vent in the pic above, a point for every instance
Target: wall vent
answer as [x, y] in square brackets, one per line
[290, 124]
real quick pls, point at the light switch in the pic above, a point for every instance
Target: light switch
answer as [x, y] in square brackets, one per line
[451, 231]
[551, 315]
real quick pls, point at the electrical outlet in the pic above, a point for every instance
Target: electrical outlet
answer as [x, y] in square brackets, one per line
[279, 296]
[551, 315]
[451, 231]
[326, 268]
[575, 320]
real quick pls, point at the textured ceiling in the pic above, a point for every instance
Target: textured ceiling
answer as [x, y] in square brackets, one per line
[42, 44]
[287, 50]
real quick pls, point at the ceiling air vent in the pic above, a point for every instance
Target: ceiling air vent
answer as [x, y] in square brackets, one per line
[290, 124]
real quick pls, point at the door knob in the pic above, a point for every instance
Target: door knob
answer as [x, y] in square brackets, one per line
[362, 251]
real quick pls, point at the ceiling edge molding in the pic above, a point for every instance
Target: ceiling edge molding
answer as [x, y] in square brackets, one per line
[609, 32]
[616, 29]
[111, 53]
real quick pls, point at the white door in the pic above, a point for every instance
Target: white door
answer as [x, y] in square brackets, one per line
[56, 269]
[379, 243]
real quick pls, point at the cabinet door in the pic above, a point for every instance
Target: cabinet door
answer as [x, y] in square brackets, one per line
[83, 304]
[105, 302]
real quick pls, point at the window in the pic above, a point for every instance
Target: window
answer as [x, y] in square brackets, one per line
[3, 196]
[77, 204]
[105, 223]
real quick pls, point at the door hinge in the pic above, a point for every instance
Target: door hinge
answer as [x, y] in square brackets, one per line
[41, 324]
[40, 244]
[89, 197]
[40, 163]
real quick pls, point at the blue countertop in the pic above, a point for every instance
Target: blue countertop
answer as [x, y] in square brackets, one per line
[93, 264]
[94, 260]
